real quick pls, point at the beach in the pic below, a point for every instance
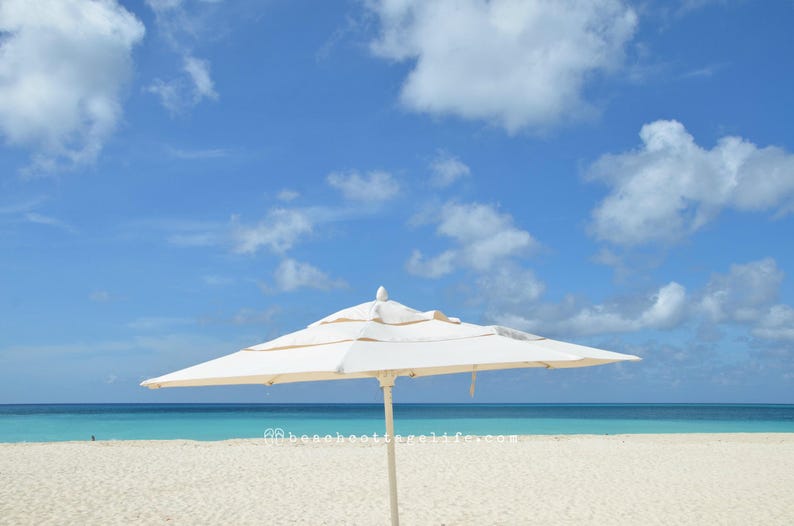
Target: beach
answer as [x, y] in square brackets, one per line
[574, 479]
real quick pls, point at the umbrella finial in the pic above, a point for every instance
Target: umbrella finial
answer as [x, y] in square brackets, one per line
[382, 294]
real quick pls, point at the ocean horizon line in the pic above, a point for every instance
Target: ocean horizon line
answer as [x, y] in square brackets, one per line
[405, 404]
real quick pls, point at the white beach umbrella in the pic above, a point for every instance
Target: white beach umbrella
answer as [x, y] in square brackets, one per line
[384, 339]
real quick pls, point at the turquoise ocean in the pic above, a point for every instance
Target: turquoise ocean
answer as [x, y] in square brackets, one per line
[59, 422]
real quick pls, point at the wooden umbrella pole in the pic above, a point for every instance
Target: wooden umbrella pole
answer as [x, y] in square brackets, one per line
[386, 383]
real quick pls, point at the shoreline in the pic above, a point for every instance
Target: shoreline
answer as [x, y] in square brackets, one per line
[727, 478]
[409, 439]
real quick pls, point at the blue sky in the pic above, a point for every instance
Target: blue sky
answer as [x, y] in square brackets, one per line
[181, 179]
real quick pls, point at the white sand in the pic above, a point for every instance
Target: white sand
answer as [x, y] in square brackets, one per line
[630, 479]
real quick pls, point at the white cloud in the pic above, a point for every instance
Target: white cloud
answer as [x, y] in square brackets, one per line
[63, 65]
[777, 324]
[671, 187]
[745, 296]
[199, 72]
[18, 207]
[662, 310]
[287, 195]
[518, 64]
[668, 308]
[435, 267]
[510, 285]
[254, 317]
[291, 275]
[484, 238]
[447, 169]
[162, 5]
[375, 187]
[181, 26]
[41, 219]
[170, 94]
[187, 91]
[187, 233]
[742, 295]
[702, 72]
[605, 256]
[193, 155]
[686, 6]
[279, 231]
[748, 295]
[215, 280]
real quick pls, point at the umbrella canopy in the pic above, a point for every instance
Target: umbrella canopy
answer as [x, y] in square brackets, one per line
[384, 339]
[383, 335]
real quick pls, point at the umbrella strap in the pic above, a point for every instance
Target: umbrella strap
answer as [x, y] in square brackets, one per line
[473, 380]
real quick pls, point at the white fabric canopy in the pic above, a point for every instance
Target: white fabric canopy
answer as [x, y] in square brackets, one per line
[384, 335]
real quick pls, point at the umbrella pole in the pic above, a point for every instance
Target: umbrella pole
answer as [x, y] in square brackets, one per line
[386, 383]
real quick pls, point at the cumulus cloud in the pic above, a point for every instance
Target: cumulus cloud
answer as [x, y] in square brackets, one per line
[374, 187]
[748, 295]
[63, 66]
[447, 169]
[663, 309]
[776, 324]
[483, 235]
[291, 275]
[671, 187]
[278, 231]
[517, 64]
[181, 26]
[745, 296]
